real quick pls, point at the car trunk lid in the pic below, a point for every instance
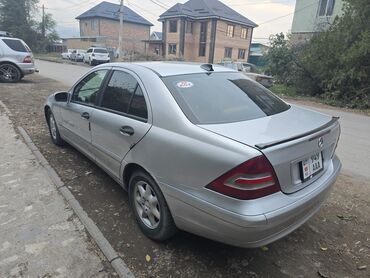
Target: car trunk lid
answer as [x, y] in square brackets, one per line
[288, 139]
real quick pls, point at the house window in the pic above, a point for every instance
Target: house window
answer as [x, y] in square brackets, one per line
[172, 47]
[203, 39]
[241, 53]
[228, 52]
[244, 33]
[173, 26]
[189, 27]
[326, 7]
[93, 24]
[230, 31]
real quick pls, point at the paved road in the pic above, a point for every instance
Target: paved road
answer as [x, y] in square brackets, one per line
[353, 149]
[65, 73]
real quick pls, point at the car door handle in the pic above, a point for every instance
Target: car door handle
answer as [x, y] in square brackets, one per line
[85, 115]
[126, 131]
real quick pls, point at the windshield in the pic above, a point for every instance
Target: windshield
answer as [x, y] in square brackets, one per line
[222, 98]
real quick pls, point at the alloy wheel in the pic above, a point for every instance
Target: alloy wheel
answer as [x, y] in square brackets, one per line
[146, 204]
[9, 72]
[53, 127]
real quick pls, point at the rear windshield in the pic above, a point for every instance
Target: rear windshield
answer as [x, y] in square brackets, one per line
[16, 45]
[100, 51]
[222, 98]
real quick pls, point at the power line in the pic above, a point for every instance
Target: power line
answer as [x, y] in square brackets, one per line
[279, 17]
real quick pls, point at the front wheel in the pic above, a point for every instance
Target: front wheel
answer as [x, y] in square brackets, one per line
[53, 129]
[150, 207]
[9, 73]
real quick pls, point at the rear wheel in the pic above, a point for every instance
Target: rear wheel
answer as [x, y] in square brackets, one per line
[54, 132]
[9, 73]
[150, 207]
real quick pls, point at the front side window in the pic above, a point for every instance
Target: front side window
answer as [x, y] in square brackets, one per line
[230, 31]
[172, 48]
[123, 94]
[228, 52]
[222, 97]
[87, 90]
[173, 26]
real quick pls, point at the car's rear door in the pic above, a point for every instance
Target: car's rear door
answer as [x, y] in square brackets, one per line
[76, 114]
[121, 120]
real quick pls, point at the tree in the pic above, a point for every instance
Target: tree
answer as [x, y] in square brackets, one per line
[19, 18]
[280, 59]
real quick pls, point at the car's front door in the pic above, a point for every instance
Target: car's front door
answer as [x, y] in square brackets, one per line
[77, 113]
[121, 121]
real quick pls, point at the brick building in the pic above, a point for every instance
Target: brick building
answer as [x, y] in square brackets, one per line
[100, 26]
[206, 31]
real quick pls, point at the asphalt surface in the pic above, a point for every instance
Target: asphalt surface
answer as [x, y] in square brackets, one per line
[353, 148]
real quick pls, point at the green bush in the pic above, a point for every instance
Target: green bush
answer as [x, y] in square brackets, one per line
[334, 64]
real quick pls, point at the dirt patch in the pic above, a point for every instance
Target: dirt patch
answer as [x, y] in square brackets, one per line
[334, 243]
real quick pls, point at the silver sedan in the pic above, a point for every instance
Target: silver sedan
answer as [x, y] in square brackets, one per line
[200, 148]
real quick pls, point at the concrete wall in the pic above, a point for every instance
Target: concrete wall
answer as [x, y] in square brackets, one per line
[306, 17]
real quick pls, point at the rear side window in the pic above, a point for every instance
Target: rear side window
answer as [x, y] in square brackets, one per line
[15, 45]
[123, 94]
[222, 98]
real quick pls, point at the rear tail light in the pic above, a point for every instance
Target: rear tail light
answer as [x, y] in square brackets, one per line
[252, 179]
[27, 60]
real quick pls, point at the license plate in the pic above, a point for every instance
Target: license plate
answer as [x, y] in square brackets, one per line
[311, 166]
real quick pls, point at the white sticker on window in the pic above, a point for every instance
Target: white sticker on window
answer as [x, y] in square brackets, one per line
[184, 84]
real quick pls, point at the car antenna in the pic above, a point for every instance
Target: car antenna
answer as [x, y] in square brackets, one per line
[207, 67]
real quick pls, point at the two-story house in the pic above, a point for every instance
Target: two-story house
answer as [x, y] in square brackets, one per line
[205, 31]
[312, 16]
[100, 26]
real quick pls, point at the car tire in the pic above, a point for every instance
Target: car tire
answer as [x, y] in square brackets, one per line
[9, 73]
[91, 63]
[54, 131]
[150, 207]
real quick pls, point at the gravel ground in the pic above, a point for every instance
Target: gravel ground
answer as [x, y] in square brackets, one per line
[334, 243]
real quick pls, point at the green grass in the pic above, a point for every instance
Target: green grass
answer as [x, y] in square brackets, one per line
[284, 90]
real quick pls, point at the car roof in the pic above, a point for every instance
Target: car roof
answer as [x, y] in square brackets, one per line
[174, 68]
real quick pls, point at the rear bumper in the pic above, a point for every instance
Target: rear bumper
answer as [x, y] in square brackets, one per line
[27, 68]
[200, 217]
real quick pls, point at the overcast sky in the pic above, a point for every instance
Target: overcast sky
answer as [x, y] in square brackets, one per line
[272, 16]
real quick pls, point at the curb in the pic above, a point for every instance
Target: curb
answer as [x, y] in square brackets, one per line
[117, 263]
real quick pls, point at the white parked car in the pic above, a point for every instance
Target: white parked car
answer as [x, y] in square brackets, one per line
[96, 55]
[77, 55]
[67, 55]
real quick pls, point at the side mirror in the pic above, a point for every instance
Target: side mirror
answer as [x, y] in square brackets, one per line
[61, 97]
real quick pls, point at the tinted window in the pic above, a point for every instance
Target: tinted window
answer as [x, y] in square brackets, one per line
[16, 45]
[138, 105]
[100, 51]
[87, 90]
[222, 98]
[119, 92]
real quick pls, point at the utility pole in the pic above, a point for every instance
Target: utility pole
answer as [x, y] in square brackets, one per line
[43, 21]
[120, 30]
